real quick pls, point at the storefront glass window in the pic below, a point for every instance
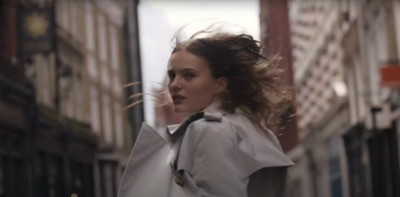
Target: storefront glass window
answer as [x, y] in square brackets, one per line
[334, 167]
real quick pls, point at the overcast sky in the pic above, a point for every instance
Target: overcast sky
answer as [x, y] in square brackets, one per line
[159, 20]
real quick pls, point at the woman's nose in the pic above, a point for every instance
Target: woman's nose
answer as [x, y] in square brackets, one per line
[175, 84]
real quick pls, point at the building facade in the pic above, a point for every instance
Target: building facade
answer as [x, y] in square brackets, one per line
[276, 40]
[71, 128]
[348, 117]
[133, 68]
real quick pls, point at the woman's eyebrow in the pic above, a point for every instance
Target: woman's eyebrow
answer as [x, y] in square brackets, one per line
[170, 71]
[188, 70]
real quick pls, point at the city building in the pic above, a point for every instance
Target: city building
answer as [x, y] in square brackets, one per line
[133, 67]
[321, 96]
[275, 38]
[64, 128]
[347, 104]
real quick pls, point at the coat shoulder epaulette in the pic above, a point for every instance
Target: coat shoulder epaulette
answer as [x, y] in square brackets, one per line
[210, 116]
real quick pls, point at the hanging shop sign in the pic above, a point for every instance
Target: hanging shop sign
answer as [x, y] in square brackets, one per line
[36, 29]
[390, 75]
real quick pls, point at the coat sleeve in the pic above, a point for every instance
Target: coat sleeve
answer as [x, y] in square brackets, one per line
[208, 154]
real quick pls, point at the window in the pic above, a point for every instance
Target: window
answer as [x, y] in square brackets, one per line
[105, 73]
[40, 175]
[107, 127]
[88, 183]
[108, 178]
[92, 68]
[115, 60]
[119, 133]
[102, 39]
[56, 178]
[44, 87]
[335, 176]
[74, 18]
[67, 93]
[94, 108]
[117, 85]
[89, 24]
[356, 90]
[62, 15]
[396, 13]
[114, 48]
[77, 178]
[79, 98]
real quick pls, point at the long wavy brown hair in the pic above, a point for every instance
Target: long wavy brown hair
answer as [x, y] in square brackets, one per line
[254, 85]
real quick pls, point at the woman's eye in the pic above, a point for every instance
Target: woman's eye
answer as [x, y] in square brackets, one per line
[171, 76]
[189, 76]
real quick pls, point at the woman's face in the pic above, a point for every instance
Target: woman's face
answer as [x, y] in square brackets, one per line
[191, 84]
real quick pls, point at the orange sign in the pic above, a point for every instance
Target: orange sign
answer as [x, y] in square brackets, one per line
[390, 76]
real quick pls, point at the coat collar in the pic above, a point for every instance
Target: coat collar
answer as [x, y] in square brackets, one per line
[176, 130]
[212, 112]
[172, 128]
[215, 107]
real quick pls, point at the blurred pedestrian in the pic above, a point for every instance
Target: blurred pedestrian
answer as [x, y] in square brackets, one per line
[225, 148]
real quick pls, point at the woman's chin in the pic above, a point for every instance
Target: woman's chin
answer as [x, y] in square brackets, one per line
[183, 110]
[179, 109]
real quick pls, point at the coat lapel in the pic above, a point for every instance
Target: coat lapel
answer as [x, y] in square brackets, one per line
[175, 131]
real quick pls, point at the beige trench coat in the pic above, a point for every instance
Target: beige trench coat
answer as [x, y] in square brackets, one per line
[211, 154]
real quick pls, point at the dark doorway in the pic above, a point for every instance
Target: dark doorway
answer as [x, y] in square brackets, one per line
[384, 160]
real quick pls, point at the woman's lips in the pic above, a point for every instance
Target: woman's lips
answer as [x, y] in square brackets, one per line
[178, 99]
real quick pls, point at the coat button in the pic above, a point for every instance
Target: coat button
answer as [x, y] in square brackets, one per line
[179, 182]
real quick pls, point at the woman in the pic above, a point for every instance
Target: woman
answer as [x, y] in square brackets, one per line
[224, 148]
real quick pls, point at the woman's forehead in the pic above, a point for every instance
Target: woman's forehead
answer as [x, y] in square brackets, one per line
[184, 59]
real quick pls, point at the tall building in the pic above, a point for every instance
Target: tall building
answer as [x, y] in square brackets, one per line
[348, 122]
[133, 68]
[63, 71]
[275, 37]
[16, 111]
[321, 95]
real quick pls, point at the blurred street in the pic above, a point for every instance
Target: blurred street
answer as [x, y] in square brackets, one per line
[73, 75]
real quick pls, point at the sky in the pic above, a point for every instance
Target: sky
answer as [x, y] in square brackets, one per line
[159, 20]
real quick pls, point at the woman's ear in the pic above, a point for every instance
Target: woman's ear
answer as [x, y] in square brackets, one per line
[221, 84]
